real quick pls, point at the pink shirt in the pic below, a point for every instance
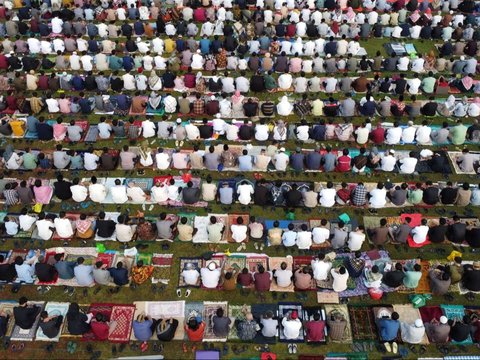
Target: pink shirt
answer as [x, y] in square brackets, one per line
[43, 194]
[59, 131]
[64, 105]
[295, 65]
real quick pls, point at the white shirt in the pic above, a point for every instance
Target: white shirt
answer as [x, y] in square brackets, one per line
[320, 269]
[136, 194]
[245, 192]
[193, 133]
[355, 240]
[90, 161]
[210, 278]
[33, 45]
[26, 222]
[123, 232]
[413, 85]
[320, 235]
[232, 132]
[119, 194]
[327, 197]
[408, 134]
[162, 160]
[79, 193]
[284, 277]
[63, 227]
[291, 328]
[128, 82]
[339, 281]
[87, 62]
[148, 129]
[388, 162]
[378, 198]
[394, 135]
[52, 105]
[423, 134]
[281, 161]
[190, 277]
[408, 165]
[104, 130]
[261, 132]
[97, 192]
[159, 193]
[402, 64]
[43, 229]
[419, 233]
[239, 232]
[302, 132]
[304, 240]
[57, 25]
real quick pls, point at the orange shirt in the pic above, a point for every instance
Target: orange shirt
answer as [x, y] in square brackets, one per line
[195, 335]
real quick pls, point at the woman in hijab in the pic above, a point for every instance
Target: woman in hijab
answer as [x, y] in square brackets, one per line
[78, 323]
[349, 15]
[237, 104]
[280, 131]
[200, 84]
[155, 101]
[146, 158]
[154, 81]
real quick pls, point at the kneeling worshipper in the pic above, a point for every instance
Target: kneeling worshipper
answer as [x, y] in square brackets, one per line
[166, 329]
[394, 278]
[77, 321]
[412, 333]
[143, 327]
[291, 325]
[247, 328]
[438, 330]
[140, 272]
[211, 275]
[50, 325]
[269, 324]
[459, 330]
[373, 277]
[194, 329]
[337, 325]
[44, 271]
[220, 323]
[101, 327]
[24, 314]
[7, 270]
[355, 265]
[315, 329]
[471, 276]
[440, 281]
[190, 275]
[388, 328]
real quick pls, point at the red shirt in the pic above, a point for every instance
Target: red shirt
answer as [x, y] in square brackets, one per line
[100, 330]
[189, 80]
[378, 135]
[43, 82]
[344, 194]
[245, 279]
[199, 15]
[262, 281]
[315, 330]
[3, 62]
[195, 335]
[343, 163]
[291, 30]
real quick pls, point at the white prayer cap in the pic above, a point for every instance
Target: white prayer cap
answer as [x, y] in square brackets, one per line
[418, 323]
[443, 319]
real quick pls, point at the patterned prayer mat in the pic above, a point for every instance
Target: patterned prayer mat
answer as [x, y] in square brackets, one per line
[105, 309]
[197, 263]
[456, 312]
[106, 258]
[235, 312]
[162, 268]
[284, 308]
[53, 309]
[363, 323]
[236, 262]
[332, 309]
[7, 307]
[253, 262]
[209, 309]
[123, 316]
[19, 334]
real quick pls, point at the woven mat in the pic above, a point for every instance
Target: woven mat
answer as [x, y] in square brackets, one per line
[209, 309]
[253, 262]
[342, 309]
[363, 323]
[53, 309]
[8, 307]
[123, 316]
[235, 313]
[237, 262]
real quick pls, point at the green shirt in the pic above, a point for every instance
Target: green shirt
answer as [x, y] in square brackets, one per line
[458, 134]
[428, 85]
[411, 279]
[270, 82]
[114, 63]
[415, 196]
[29, 161]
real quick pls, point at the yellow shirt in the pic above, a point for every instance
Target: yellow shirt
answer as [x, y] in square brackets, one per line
[169, 45]
[17, 127]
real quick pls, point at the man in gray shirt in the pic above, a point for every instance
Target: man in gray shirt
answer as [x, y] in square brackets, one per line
[347, 106]
[211, 159]
[400, 234]
[165, 227]
[83, 273]
[74, 132]
[441, 136]
[60, 158]
[329, 160]
[100, 274]
[225, 194]
[340, 235]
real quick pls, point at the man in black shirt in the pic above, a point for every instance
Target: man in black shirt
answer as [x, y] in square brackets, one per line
[45, 272]
[119, 274]
[448, 195]
[261, 193]
[44, 131]
[190, 195]
[105, 228]
[430, 108]
[206, 131]
[459, 331]
[471, 276]
[456, 232]
[257, 82]
[401, 84]
[246, 131]
[25, 315]
[293, 197]
[394, 278]
[107, 161]
[439, 163]
[430, 194]
[50, 325]
[437, 233]
[472, 237]
[7, 271]
[62, 188]
[250, 108]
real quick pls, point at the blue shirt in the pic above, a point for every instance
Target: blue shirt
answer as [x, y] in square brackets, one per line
[120, 276]
[65, 269]
[84, 274]
[205, 46]
[25, 273]
[142, 330]
[289, 238]
[296, 161]
[314, 160]
[245, 163]
[388, 329]
[329, 161]
[32, 122]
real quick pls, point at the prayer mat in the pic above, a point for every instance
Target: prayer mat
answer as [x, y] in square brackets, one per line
[17, 252]
[95, 308]
[7, 307]
[253, 262]
[123, 316]
[53, 309]
[194, 309]
[408, 314]
[274, 263]
[19, 334]
[428, 313]
[308, 313]
[363, 323]
[163, 309]
[332, 309]
[298, 263]
[106, 258]
[92, 134]
[236, 312]
[232, 220]
[328, 297]
[145, 257]
[284, 309]
[162, 266]
[453, 157]
[236, 262]
[210, 309]
[453, 312]
[143, 183]
[258, 311]
[197, 263]
[84, 125]
[424, 283]
[201, 224]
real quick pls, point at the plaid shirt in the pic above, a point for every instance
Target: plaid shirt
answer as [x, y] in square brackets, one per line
[133, 131]
[246, 330]
[359, 196]
[199, 106]
[11, 196]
